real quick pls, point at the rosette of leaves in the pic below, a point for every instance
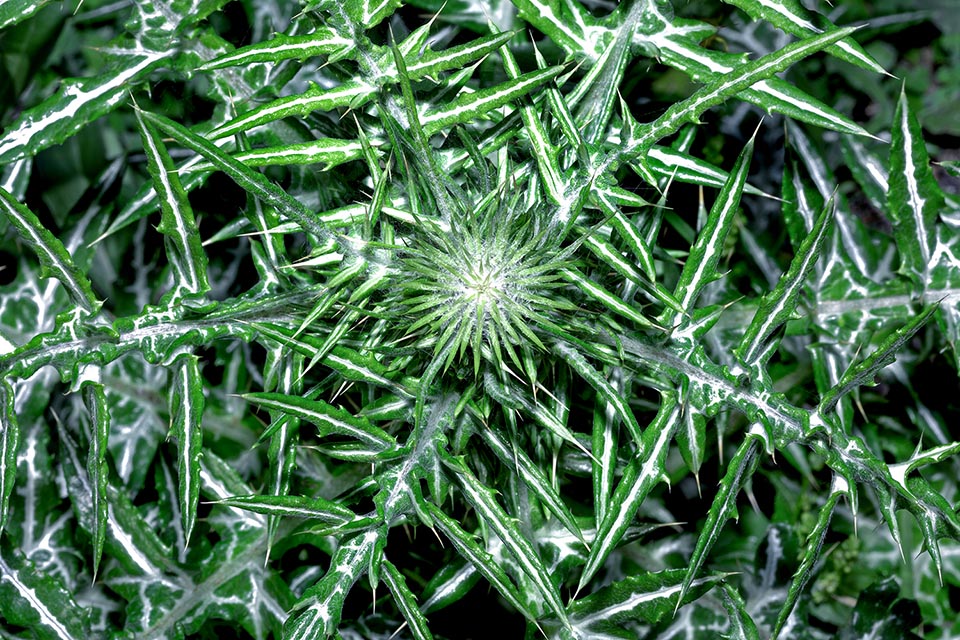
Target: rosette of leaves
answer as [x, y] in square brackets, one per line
[233, 377]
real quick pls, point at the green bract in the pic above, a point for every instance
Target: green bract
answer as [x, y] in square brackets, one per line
[337, 319]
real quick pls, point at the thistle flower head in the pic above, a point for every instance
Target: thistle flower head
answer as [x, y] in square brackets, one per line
[488, 283]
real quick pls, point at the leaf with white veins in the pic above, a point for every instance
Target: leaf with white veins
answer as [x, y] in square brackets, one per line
[914, 200]
[55, 260]
[644, 471]
[186, 415]
[76, 104]
[177, 224]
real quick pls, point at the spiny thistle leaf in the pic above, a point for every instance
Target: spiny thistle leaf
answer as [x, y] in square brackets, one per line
[54, 257]
[322, 42]
[76, 104]
[484, 563]
[9, 443]
[186, 414]
[406, 601]
[793, 17]
[329, 419]
[641, 475]
[914, 200]
[642, 137]
[779, 305]
[177, 222]
[739, 470]
[481, 498]
[95, 399]
[255, 183]
[705, 253]
[292, 507]
[811, 553]
[650, 597]
[865, 370]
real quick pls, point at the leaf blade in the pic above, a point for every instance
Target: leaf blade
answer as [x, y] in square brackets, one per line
[254, 183]
[54, 257]
[177, 224]
[914, 199]
[186, 415]
[76, 104]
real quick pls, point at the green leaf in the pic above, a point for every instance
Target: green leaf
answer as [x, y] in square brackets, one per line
[793, 17]
[481, 498]
[692, 434]
[513, 397]
[642, 137]
[449, 585]
[351, 94]
[882, 614]
[331, 152]
[76, 104]
[347, 362]
[742, 626]
[868, 168]
[322, 42]
[883, 356]
[55, 260]
[369, 13]
[477, 104]
[545, 153]
[644, 471]
[568, 24]
[147, 202]
[95, 399]
[177, 224]
[38, 602]
[482, 561]
[701, 266]
[811, 553]
[638, 246]
[292, 507]
[739, 470]
[772, 94]
[605, 446]
[647, 597]
[778, 306]
[914, 200]
[607, 299]
[131, 541]
[14, 11]
[186, 416]
[429, 63]
[322, 604]
[406, 601]
[533, 476]
[254, 183]
[9, 443]
[327, 418]
[669, 164]
[952, 167]
[579, 363]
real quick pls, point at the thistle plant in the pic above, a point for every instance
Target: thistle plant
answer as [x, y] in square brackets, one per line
[341, 319]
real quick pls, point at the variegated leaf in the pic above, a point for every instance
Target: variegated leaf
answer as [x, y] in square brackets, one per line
[186, 425]
[914, 200]
[76, 104]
